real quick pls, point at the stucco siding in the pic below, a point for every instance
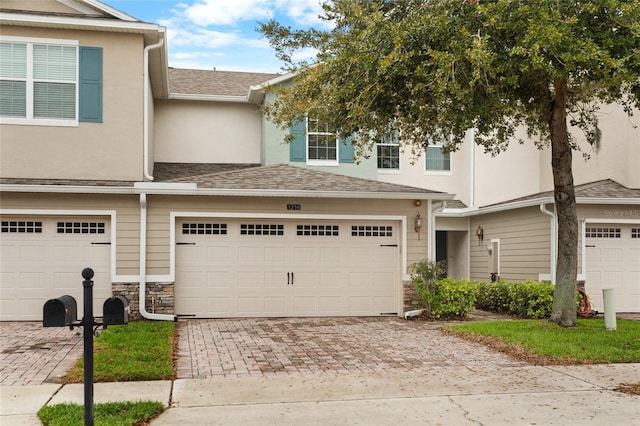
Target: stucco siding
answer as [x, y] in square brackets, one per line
[127, 218]
[524, 244]
[207, 132]
[108, 150]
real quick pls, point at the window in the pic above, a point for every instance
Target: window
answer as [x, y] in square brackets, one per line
[602, 232]
[261, 229]
[635, 232]
[49, 82]
[436, 159]
[371, 231]
[21, 227]
[80, 228]
[388, 153]
[322, 144]
[318, 230]
[204, 228]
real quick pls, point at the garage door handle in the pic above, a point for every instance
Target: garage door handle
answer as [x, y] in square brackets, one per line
[588, 245]
[186, 244]
[288, 278]
[100, 244]
[388, 245]
[292, 278]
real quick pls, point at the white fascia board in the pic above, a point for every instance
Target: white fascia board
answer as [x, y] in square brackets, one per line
[168, 188]
[603, 200]
[256, 93]
[208, 98]
[78, 23]
[475, 211]
[105, 8]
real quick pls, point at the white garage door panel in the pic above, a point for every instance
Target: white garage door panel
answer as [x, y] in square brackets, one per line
[37, 266]
[289, 273]
[613, 261]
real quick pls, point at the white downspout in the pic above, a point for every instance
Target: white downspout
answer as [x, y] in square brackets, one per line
[554, 243]
[472, 168]
[143, 267]
[145, 118]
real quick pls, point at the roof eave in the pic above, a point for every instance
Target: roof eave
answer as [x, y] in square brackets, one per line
[209, 98]
[165, 188]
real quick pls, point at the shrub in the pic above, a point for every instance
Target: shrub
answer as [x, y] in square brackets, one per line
[445, 298]
[526, 300]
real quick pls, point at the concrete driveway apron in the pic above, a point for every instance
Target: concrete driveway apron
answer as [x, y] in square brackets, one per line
[313, 346]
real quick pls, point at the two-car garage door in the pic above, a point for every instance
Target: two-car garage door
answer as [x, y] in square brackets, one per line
[613, 261]
[267, 268]
[42, 257]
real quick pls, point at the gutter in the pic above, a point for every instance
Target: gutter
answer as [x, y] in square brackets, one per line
[143, 267]
[554, 242]
[145, 125]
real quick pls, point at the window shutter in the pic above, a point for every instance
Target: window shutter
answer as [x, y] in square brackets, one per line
[90, 84]
[298, 146]
[346, 150]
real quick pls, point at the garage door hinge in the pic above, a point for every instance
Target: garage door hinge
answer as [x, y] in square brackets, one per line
[388, 245]
[100, 244]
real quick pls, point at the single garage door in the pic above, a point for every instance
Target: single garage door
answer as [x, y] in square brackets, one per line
[613, 261]
[43, 257]
[267, 268]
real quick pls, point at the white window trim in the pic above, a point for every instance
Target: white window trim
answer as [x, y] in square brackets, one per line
[390, 171]
[30, 120]
[436, 172]
[314, 162]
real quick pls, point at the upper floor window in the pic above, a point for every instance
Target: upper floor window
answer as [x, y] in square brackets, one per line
[388, 152]
[315, 143]
[322, 144]
[45, 82]
[436, 160]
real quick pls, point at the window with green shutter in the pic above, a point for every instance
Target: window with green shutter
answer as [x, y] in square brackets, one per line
[49, 82]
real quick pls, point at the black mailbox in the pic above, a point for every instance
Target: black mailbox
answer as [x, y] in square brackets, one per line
[60, 312]
[115, 311]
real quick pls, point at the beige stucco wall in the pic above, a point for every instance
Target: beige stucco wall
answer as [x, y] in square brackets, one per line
[159, 208]
[127, 224]
[37, 5]
[207, 132]
[525, 241]
[110, 150]
[618, 155]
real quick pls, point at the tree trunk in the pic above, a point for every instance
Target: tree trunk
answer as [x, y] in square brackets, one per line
[564, 297]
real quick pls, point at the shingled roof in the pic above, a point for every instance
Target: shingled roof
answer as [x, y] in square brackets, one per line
[275, 177]
[212, 83]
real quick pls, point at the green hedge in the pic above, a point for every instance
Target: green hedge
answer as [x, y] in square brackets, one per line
[526, 300]
[448, 298]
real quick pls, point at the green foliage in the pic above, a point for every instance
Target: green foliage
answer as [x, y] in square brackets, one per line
[141, 350]
[589, 342]
[431, 70]
[105, 414]
[445, 298]
[526, 300]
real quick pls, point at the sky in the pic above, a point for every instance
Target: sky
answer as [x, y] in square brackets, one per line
[222, 34]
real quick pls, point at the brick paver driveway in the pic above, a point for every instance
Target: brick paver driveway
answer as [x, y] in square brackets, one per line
[311, 346]
[31, 354]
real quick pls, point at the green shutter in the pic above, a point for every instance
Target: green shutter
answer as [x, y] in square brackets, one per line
[346, 150]
[298, 146]
[90, 84]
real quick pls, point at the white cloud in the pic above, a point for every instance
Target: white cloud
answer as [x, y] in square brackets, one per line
[227, 12]
[303, 12]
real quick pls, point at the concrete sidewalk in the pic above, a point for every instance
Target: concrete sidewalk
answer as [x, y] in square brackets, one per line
[555, 395]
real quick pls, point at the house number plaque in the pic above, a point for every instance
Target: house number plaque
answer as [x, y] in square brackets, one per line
[294, 207]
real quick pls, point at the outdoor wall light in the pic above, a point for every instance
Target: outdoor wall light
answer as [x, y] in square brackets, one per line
[417, 203]
[417, 224]
[480, 234]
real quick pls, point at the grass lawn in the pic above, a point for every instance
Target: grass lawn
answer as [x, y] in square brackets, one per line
[138, 351]
[106, 414]
[543, 342]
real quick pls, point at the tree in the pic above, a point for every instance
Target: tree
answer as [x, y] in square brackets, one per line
[432, 69]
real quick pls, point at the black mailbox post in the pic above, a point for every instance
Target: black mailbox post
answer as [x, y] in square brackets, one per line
[115, 311]
[60, 312]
